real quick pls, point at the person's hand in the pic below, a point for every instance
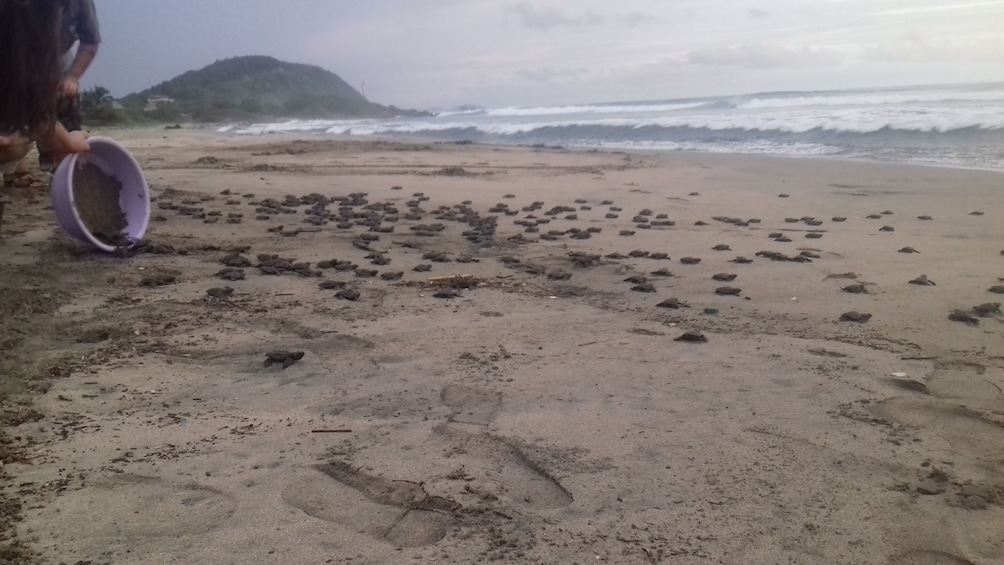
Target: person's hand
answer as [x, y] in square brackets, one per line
[70, 87]
[66, 143]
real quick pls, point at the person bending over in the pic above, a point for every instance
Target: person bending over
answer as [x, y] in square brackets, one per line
[30, 77]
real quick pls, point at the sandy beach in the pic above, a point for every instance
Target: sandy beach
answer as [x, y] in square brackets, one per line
[525, 396]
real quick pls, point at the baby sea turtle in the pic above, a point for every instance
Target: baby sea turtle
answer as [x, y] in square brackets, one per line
[626, 233]
[997, 289]
[775, 234]
[792, 220]
[922, 280]
[813, 235]
[692, 336]
[874, 217]
[782, 196]
[349, 294]
[331, 285]
[741, 260]
[722, 247]
[231, 274]
[976, 213]
[887, 228]
[663, 272]
[366, 273]
[559, 275]
[659, 256]
[700, 223]
[643, 287]
[809, 254]
[855, 289]
[690, 260]
[964, 317]
[783, 239]
[392, 275]
[724, 277]
[987, 309]
[924, 218]
[728, 291]
[672, 303]
[286, 358]
[422, 268]
[636, 279]
[908, 249]
[853, 316]
[838, 219]
[220, 293]
[637, 253]
[447, 293]
[887, 213]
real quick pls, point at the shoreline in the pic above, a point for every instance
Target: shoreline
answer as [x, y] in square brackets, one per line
[213, 128]
[418, 427]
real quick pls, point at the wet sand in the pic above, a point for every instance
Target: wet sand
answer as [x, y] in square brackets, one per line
[525, 399]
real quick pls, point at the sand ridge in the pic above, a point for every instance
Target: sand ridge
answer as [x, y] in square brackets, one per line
[540, 409]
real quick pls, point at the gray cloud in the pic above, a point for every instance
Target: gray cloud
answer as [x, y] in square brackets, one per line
[547, 74]
[763, 56]
[545, 18]
[541, 18]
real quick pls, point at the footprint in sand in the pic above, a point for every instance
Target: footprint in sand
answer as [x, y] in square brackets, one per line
[141, 507]
[402, 513]
[520, 481]
[924, 557]
[399, 513]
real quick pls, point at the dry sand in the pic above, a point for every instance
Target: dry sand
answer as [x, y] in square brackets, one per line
[530, 419]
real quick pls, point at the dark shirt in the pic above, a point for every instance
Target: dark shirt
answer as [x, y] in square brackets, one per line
[80, 21]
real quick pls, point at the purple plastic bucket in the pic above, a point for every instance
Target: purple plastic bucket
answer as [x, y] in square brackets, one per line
[115, 161]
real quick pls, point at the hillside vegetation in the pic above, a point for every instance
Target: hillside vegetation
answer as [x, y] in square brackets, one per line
[255, 88]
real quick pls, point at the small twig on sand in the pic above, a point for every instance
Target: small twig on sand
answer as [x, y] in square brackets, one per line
[338, 431]
[594, 342]
[918, 358]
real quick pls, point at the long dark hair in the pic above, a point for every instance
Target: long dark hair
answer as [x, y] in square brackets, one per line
[29, 65]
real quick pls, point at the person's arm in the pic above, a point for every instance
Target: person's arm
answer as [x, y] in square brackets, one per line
[86, 53]
[64, 143]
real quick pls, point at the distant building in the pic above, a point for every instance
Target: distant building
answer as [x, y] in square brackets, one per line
[155, 102]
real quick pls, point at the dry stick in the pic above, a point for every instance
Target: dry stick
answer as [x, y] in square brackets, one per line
[594, 342]
[338, 431]
[918, 358]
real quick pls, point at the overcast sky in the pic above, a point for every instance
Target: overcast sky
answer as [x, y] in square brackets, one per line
[441, 53]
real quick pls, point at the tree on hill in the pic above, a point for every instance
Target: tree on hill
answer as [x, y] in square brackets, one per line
[257, 86]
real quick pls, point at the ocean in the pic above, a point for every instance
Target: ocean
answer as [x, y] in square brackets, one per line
[958, 126]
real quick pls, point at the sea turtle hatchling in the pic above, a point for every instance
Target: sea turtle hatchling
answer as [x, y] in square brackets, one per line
[692, 336]
[908, 249]
[672, 303]
[690, 260]
[643, 287]
[220, 293]
[659, 256]
[987, 309]
[997, 289]
[853, 316]
[286, 358]
[922, 280]
[663, 272]
[855, 289]
[722, 247]
[728, 291]
[741, 260]
[964, 317]
[636, 279]
[887, 228]
[724, 277]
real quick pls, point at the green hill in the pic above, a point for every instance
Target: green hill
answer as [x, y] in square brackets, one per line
[256, 87]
